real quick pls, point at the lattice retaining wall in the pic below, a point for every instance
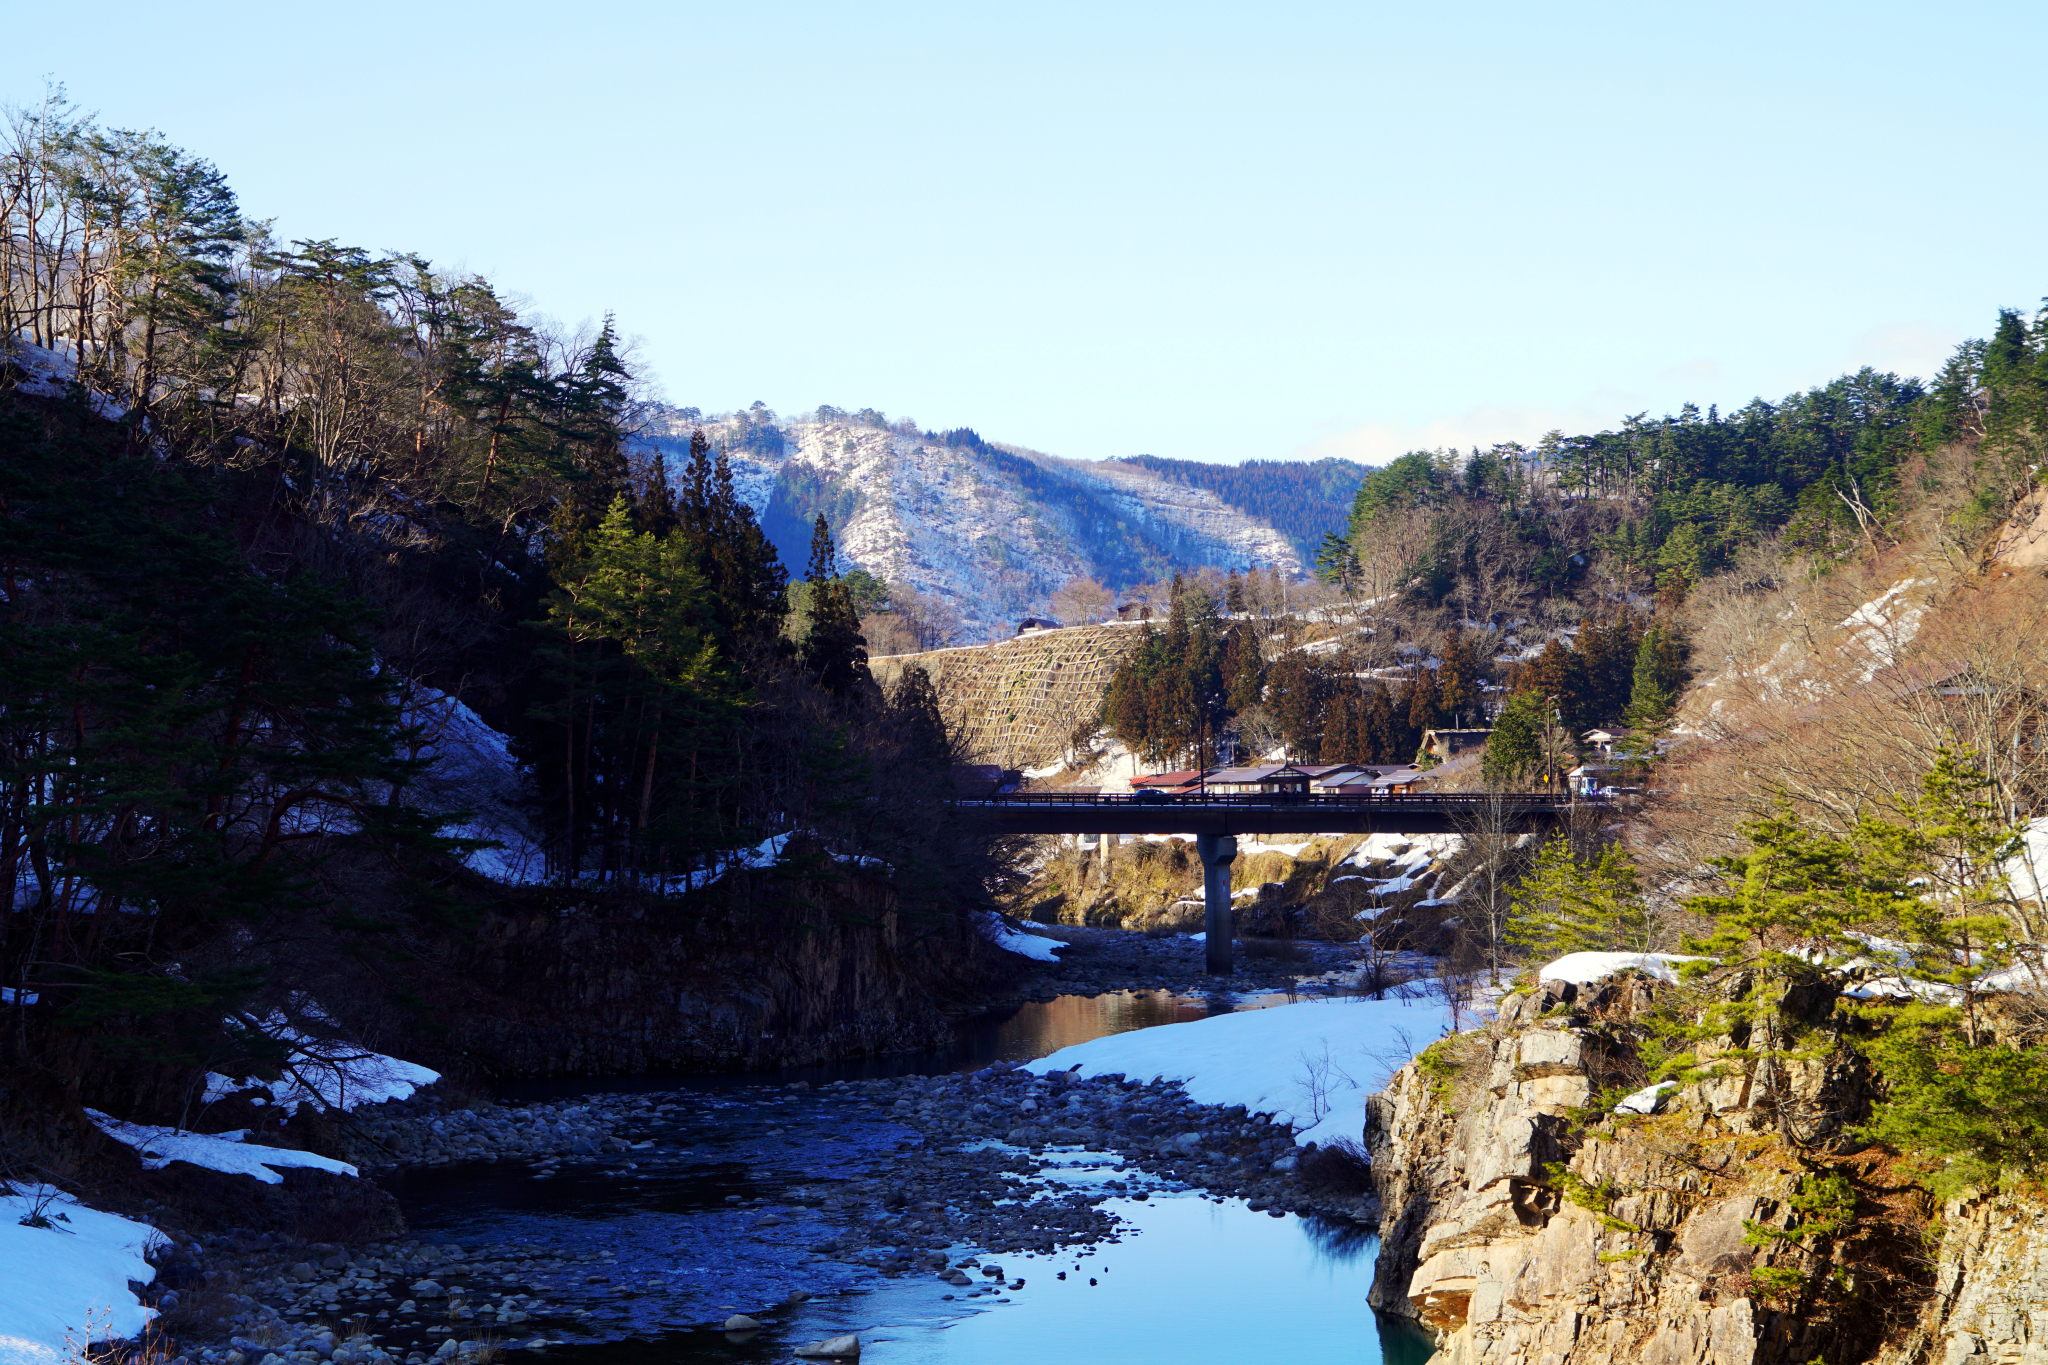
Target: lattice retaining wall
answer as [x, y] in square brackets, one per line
[1019, 700]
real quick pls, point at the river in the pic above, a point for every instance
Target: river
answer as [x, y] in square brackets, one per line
[1190, 1278]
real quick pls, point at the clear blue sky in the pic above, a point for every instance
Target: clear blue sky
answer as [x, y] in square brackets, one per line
[1195, 230]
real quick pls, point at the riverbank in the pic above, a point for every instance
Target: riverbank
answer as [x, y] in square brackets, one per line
[961, 1181]
[1098, 961]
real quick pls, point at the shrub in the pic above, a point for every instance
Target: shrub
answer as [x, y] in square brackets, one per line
[1340, 1168]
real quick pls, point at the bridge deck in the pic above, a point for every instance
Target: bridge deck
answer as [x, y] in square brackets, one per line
[1443, 813]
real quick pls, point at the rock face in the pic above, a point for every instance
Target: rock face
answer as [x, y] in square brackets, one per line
[1990, 1305]
[1521, 1225]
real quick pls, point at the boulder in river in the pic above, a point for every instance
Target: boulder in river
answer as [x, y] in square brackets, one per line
[844, 1347]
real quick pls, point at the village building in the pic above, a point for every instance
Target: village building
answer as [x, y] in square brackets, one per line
[1267, 779]
[1445, 745]
[1604, 738]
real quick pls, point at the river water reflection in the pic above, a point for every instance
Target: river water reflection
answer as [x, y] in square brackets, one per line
[1194, 1280]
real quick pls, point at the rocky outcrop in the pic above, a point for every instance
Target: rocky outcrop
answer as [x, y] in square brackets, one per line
[1521, 1223]
[1990, 1302]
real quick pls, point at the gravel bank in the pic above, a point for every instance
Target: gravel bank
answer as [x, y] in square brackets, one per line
[964, 1180]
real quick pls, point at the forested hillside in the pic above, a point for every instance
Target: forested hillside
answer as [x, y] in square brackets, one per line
[266, 507]
[1556, 587]
[1304, 500]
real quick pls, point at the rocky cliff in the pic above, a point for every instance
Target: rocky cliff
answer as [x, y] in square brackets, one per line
[1521, 1223]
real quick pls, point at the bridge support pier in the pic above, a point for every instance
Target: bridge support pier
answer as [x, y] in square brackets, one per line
[1217, 852]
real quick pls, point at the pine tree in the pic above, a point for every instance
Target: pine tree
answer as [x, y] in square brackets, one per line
[833, 654]
[1459, 678]
[1243, 668]
[1514, 753]
[1659, 674]
[1425, 710]
[1568, 905]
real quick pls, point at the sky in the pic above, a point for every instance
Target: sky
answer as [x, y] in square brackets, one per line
[1211, 232]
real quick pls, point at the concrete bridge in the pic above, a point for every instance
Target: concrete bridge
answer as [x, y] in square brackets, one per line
[1216, 821]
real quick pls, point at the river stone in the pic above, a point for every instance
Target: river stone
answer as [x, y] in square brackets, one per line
[845, 1347]
[426, 1289]
[740, 1322]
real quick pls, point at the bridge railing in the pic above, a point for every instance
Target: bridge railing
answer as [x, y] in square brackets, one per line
[1154, 800]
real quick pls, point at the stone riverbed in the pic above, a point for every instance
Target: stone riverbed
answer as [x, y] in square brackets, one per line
[553, 1222]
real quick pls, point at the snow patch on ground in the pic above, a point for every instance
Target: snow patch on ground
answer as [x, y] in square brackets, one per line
[49, 373]
[64, 1283]
[2028, 868]
[473, 770]
[1583, 969]
[1037, 947]
[329, 1075]
[214, 1151]
[1403, 849]
[1644, 1101]
[1247, 847]
[1311, 1064]
[1904, 988]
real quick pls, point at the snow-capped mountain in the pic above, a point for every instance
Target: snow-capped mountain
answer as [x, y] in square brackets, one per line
[995, 529]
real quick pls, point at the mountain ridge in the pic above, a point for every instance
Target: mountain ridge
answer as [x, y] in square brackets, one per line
[994, 528]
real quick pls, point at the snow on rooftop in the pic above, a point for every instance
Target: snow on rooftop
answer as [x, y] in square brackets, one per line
[63, 1284]
[1311, 1064]
[224, 1152]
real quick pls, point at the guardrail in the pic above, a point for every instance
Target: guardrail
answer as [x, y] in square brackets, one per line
[1439, 801]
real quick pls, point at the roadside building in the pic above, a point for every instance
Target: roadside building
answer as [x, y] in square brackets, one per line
[1173, 784]
[1266, 779]
[1402, 781]
[1445, 745]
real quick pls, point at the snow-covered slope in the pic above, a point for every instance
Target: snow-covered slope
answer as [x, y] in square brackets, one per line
[994, 529]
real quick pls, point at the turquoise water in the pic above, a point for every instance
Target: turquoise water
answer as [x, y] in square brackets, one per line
[1194, 1280]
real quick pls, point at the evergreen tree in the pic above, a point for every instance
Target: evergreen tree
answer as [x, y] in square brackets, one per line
[834, 654]
[1425, 710]
[1660, 673]
[1243, 668]
[1569, 904]
[1560, 675]
[741, 570]
[1458, 684]
[1514, 752]
[1383, 734]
